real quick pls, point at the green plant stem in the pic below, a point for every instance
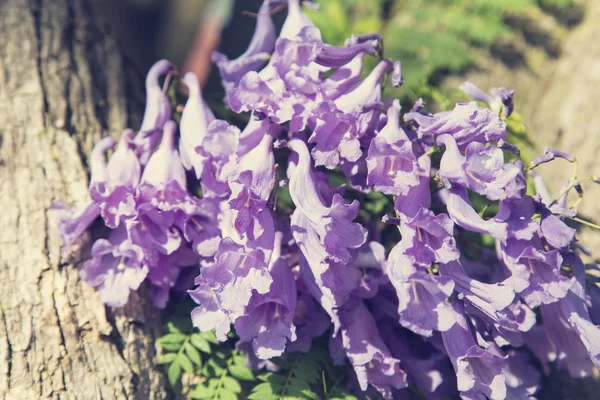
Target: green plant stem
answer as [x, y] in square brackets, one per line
[289, 377]
[584, 222]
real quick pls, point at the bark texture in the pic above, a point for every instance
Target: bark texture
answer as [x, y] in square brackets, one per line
[567, 116]
[63, 85]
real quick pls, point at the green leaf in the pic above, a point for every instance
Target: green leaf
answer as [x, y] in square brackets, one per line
[311, 395]
[199, 342]
[185, 363]
[202, 392]
[231, 384]
[193, 354]
[174, 372]
[241, 372]
[264, 391]
[167, 358]
[227, 395]
[209, 337]
[179, 324]
[170, 346]
[172, 338]
[213, 368]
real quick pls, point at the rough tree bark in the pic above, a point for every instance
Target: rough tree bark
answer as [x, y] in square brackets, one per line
[63, 85]
[567, 115]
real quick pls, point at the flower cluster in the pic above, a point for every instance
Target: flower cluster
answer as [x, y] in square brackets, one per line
[433, 310]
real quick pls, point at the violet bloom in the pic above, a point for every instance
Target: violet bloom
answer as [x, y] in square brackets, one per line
[567, 349]
[546, 284]
[268, 98]
[481, 170]
[479, 373]
[422, 297]
[236, 273]
[200, 227]
[427, 368]
[72, 223]
[341, 124]
[500, 99]
[194, 126]
[575, 311]
[251, 188]
[115, 269]
[157, 112]
[487, 298]
[368, 354]
[466, 123]
[219, 149]
[428, 238]
[333, 224]
[372, 263]
[310, 320]
[256, 55]
[331, 283]
[162, 192]
[343, 79]
[268, 320]
[116, 192]
[165, 273]
[418, 196]
[392, 162]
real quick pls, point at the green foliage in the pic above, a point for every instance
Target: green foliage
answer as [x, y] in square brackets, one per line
[429, 36]
[219, 371]
[301, 376]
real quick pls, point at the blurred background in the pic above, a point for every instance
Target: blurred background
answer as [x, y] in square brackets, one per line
[501, 41]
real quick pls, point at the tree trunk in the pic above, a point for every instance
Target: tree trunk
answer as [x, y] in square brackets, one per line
[63, 85]
[567, 116]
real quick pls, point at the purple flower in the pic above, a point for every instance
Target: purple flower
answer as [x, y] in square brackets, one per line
[310, 320]
[73, 223]
[487, 298]
[341, 124]
[462, 213]
[429, 238]
[575, 311]
[343, 79]
[219, 148]
[499, 99]
[115, 269]
[235, 275]
[157, 112]
[466, 123]
[268, 320]
[331, 283]
[541, 269]
[200, 228]
[392, 162]
[161, 193]
[481, 170]
[422, 297]
[372, 263]
[479, 373]
[256, 54]
[165, 273]
[194, 126]
[333, 224]
[209, 315]
[565, 346]
[418, 196]
[115, 193]
[251, 188]
[370, 357]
